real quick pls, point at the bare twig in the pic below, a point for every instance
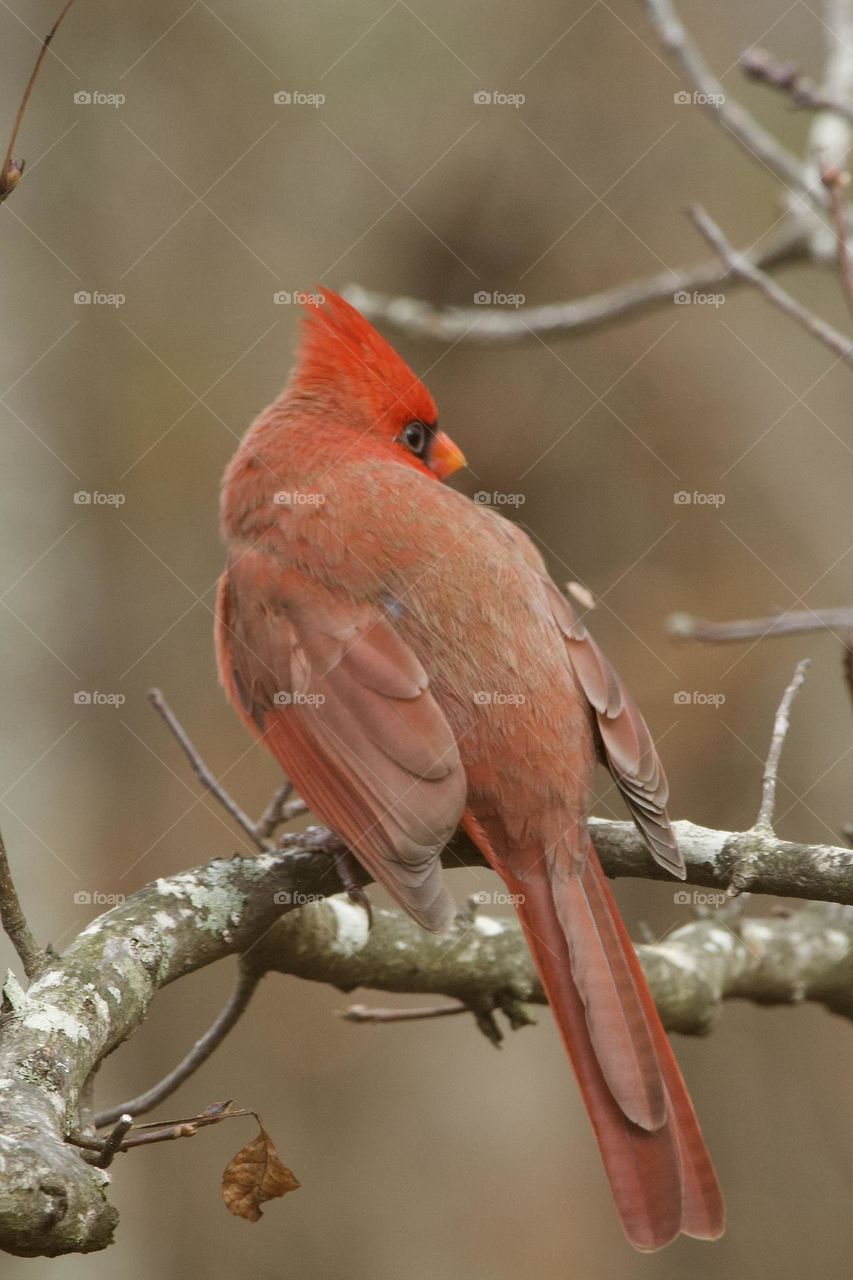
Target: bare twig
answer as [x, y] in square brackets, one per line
[712, 97]
[126, 1135]
[279, 810]
[275, 814]
[739, 265]
[494, 325]
[34, 959]
[802, 91]
[836, 181]
[202, 772]
[112, 1143]
[11, 171]
[247, 981]
[793, 623]
[361, 1013]
[764, 821]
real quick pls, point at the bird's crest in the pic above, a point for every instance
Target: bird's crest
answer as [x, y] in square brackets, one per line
[342, 352]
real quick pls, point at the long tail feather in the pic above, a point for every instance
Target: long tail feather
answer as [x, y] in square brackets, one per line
[660, 1173]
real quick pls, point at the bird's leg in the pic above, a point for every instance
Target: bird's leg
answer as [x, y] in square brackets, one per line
[347, 868]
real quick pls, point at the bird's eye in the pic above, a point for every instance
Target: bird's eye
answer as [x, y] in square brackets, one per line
[415, 436]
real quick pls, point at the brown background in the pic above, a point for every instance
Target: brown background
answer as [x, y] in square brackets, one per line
[423, 1153]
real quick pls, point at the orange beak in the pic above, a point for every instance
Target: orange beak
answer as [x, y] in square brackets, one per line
[445, 457]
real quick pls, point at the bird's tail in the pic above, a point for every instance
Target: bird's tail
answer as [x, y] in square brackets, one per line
[659, 1169]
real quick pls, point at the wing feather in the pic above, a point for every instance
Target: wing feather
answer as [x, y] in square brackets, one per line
[345, 705]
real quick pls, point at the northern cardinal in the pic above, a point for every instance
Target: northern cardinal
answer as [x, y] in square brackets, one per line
[404, 655]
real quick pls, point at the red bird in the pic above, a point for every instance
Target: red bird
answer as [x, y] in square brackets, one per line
[406, 658]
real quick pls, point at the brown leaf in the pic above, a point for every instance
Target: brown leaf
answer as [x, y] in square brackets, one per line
[254, 1176]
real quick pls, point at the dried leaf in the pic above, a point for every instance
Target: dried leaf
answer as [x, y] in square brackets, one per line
[254, 1176]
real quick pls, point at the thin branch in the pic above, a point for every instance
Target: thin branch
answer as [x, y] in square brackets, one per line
[713, 98]
[126, 1135]
[10, 173]
[275, 814]
[361, 1013]
[793, 623]
[802, 92]
[201, 771]
[247, 981]
[280, 809]
[740, 266]
[485, 324]
[836, 182]
[112, 1143]
[33, 958]
[764, 821]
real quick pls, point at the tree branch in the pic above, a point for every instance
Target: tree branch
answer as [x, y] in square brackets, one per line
[33, 958]
[802, 92]
[92, 997]
[11, 171]
[740, 266]
[486, 324]
[764, 821]
[712, 97]
[792, 623]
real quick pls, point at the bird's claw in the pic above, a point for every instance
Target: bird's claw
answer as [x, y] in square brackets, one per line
[346, 865]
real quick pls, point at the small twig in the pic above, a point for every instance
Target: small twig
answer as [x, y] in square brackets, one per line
[247, 981]
[796, 622]
[836, 181]
[275, 814]
[802, 91]
[126, 1135]
[11, 172]
[739, 265]
[32, 956]
[202, 772]
[112, 1143]
[495, 325]
[279, 810]
[361, 1013]
[713, 98]
[764, 821]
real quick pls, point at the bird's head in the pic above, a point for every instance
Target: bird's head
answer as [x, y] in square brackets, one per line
[344, 362]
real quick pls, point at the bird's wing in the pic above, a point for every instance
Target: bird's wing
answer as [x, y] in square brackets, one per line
[626, 744]
[345, 706]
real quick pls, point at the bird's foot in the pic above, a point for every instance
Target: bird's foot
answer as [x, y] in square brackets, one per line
[347, 869]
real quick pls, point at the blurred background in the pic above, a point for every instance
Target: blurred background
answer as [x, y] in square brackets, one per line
[182, 198]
